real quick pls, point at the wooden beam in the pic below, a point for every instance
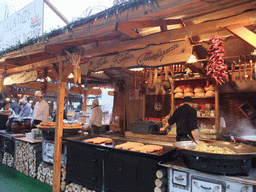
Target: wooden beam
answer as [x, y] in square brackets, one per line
[245, 19]
[33, 66]
[55, 10]
[243, 33]
[58, 131]
[57, 48]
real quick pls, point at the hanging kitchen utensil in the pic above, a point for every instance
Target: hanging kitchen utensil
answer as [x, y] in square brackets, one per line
[155, 77]
[240, 68]
[251, 68]
[245, 68]
[166, 83]
[150, 79]
[227, 77]
[233, 71]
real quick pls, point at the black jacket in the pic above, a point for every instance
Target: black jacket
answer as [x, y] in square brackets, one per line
[185, 118]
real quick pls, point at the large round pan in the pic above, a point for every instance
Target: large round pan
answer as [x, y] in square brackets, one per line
[241, 150]
[247, 138]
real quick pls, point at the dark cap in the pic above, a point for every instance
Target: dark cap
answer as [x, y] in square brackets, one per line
[188, 99]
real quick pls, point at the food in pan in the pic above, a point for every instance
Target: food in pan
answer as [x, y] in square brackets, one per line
[147, 148]
[46, 124]
[128, 145]
[214, 149]
[98, 140]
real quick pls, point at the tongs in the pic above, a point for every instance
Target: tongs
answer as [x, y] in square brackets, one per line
[199, 144]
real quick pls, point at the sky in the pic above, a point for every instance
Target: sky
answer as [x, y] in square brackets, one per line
[71, 9]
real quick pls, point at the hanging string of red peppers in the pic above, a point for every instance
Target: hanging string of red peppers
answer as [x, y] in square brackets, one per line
[216, 67]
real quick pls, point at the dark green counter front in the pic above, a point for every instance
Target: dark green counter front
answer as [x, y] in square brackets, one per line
[105, 168]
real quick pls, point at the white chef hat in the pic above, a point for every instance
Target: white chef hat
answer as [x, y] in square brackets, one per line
[95, 101]
[38, 93]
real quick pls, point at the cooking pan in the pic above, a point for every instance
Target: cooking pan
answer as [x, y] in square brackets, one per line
[247, 138]
[238, 163]
[241, 150]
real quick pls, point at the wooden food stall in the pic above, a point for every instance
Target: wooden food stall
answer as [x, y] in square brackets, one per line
[171, 41]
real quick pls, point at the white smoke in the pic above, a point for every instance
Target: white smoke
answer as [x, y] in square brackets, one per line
[245, 127]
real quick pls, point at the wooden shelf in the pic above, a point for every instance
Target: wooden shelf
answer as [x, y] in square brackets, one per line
[206, 117]
[191, 79]
[197, 98]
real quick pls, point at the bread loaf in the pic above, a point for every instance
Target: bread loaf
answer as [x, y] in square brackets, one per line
[188, 89]
[189, 94]
[178, 95]
[198, 89]
[209, 88]
[178, 89]
[200, 94]
[209, 94]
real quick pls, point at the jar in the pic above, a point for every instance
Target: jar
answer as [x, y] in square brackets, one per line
[212, 114]
[9, 123]
[16, 126]
[26, 123]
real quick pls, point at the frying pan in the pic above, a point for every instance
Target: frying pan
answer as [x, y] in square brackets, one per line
[241, 150]
[247, 138]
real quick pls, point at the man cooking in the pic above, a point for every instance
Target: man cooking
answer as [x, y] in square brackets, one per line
[186, 120]
[95, 120]
[41, 109]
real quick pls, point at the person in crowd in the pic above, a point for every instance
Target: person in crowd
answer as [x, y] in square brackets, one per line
[186, 121]
[26, 108]
[95, 120]
[15, 106]
[6, 106]
[41, 109]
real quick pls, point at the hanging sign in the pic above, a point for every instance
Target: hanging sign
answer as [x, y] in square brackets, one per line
[153, 55]
[22, 25]
[18, 78]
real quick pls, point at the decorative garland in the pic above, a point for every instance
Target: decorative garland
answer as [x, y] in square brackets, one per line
[108, 13]
[216, 67]
[44, 86]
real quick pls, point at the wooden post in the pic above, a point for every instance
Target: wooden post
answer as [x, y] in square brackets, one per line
[58, 131]
[217, 112]
[1, 80]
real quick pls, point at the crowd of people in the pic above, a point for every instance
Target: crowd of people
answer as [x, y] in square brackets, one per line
[23, 109]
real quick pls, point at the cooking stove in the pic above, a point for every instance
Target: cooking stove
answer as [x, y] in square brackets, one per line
[183, 179]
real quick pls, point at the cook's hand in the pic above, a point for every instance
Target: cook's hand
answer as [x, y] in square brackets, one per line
[163, 129]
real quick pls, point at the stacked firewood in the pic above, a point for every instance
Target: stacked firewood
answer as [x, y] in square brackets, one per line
[160, 182]
[45, 174]
[8, 159]
[27, 157]
[72, 187]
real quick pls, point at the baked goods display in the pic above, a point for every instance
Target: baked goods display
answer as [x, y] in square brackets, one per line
[98, 140]
[139, 147]
[198, 91]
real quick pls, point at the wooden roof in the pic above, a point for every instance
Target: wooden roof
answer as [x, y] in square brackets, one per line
[152, 22]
